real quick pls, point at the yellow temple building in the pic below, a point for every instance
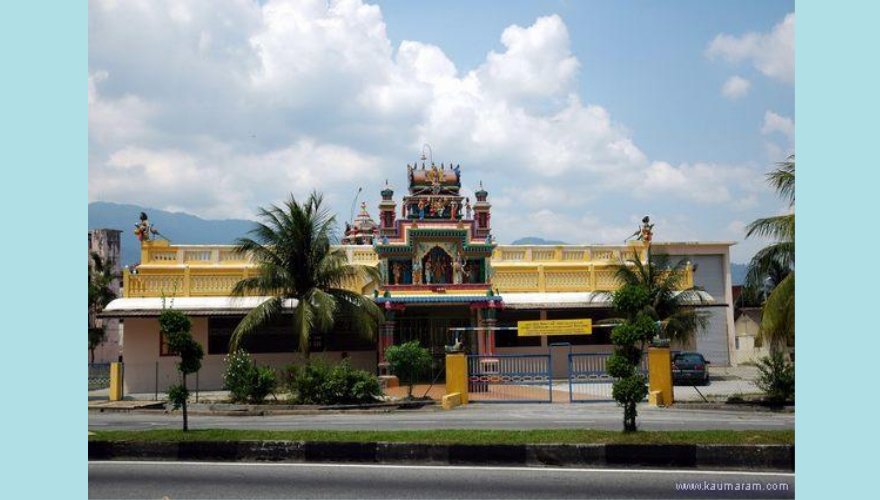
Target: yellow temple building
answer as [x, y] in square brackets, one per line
[443, 277]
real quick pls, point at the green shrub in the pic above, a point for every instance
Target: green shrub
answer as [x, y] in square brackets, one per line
[245, 381]
[628, 392]
[629, 338]
[174, 327]
[322, 384]
[408, 361]
[776, 378]
[177, 395]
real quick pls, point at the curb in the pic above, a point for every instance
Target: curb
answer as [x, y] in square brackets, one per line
[733, 407]
[768, 457]
[229, 410]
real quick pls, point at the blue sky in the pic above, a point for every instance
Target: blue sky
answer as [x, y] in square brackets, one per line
[579, 117]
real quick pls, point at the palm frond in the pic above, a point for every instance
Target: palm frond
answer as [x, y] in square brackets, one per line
[782, 179]
[770, 264]
[254, 320]
[365, 315]
[778, 227]
[777, 316]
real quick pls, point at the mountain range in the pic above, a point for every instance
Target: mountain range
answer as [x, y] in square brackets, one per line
[178, 227]
[181, 227]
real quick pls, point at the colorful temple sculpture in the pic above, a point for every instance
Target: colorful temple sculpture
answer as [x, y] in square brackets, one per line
[444, 280]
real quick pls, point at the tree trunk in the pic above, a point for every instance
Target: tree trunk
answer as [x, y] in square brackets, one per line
[92, 352]
[185, 422]
[629, 417]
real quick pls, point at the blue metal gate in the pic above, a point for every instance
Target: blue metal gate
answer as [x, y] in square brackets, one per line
[510, 378]
[588, 380]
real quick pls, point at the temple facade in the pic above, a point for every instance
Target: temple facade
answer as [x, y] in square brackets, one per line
[443, 279]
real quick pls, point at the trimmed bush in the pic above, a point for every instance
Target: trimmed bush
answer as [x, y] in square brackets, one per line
[629, 338]
[319, 383]
[245, 381]
[408, 361]
[174, 326]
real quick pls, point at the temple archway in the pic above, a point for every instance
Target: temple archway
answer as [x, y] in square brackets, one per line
[436, 267]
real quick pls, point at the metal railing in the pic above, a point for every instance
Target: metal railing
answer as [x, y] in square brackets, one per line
[588, 378]
[99, 376]
[523, 378]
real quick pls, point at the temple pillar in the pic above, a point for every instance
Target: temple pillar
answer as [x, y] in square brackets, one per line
[481, 333]
[386, 339]
[490, 335]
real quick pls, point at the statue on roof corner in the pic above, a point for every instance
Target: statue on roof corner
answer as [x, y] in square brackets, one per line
[645, 232]
[144, 230]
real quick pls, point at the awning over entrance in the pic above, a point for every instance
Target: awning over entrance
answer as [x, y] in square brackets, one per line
[564, 300]
[195, 306]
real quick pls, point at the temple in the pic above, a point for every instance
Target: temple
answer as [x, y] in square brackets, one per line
[443, 279]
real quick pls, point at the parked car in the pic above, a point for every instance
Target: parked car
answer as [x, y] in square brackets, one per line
[689, 368]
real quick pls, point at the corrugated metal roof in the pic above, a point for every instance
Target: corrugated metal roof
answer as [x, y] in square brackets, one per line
[196, 306]
[574, 299]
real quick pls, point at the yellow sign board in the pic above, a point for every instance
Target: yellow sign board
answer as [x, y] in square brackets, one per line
[555, 327]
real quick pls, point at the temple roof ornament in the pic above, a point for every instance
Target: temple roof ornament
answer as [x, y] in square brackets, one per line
[362, 230]
[144, 230]
[644, 233]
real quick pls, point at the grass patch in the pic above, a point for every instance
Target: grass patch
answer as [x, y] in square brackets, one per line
[459, 436]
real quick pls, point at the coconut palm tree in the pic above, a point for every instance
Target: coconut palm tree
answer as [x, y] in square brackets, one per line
[100, 294]
[291, 247]
[773, 265]
[672, 304]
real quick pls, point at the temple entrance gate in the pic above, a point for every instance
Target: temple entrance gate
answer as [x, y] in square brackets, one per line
[510, 378]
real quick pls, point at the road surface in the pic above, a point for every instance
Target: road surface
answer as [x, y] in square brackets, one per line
[283, 480]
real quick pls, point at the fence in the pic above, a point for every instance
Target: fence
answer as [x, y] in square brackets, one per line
[99, 376]
[588, 378]
[524, 378]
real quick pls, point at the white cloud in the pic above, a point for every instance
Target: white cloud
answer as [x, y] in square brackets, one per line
[771, 53]
[703, 183]
[774, 123]
[537, 61]
[735, 87]
[218, 107]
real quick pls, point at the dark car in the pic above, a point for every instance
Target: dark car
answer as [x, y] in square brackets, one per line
[689, 368]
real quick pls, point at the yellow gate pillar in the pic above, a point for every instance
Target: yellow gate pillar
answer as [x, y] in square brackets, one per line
[115, 381]
[457, 376]
[660, 376]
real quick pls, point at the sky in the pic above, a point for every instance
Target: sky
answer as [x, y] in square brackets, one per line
[578, 117]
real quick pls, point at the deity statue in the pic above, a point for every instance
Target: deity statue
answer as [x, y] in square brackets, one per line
[428, 272]
[453, 210]
[645, 232]
[417, 272]
[397, 272]
[457, 269]
[438, 206]
[144, 230]
[383, 271]
[421, 209]
[467, 208]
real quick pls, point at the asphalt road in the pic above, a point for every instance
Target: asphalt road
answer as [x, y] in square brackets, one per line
[474, 416]
[275, 480]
